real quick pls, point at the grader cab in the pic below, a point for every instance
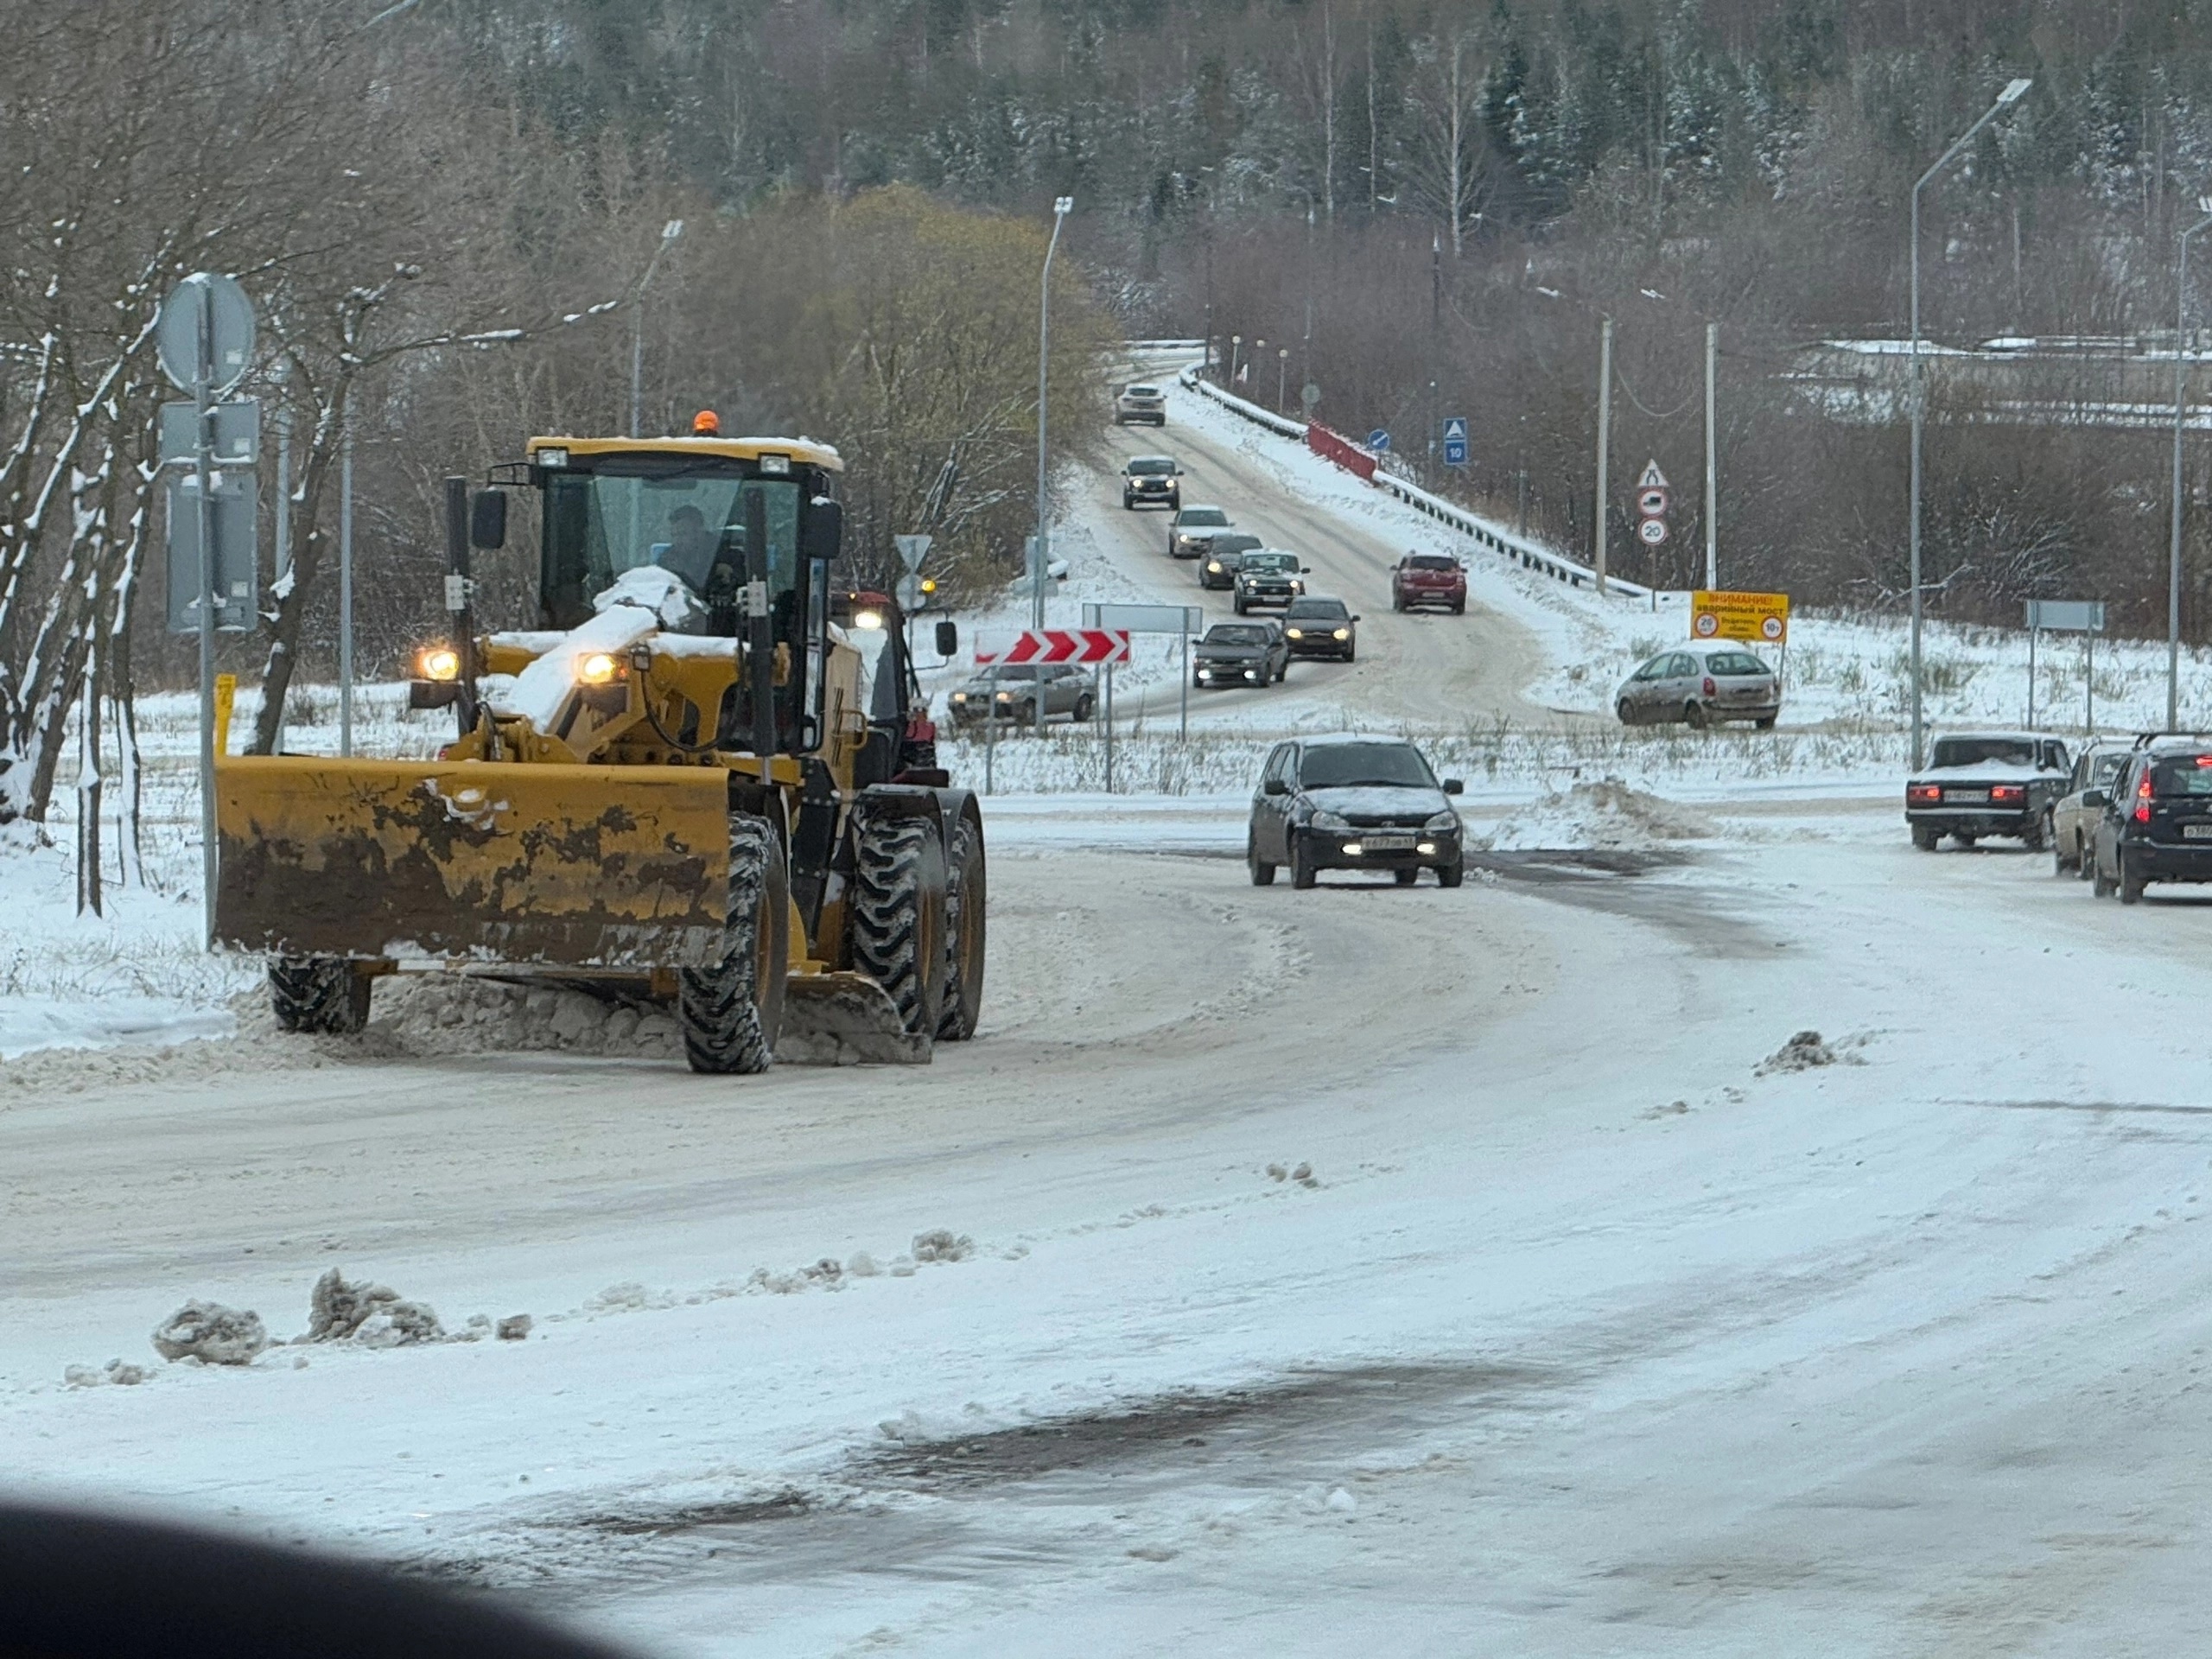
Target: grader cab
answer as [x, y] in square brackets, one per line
[706, 778]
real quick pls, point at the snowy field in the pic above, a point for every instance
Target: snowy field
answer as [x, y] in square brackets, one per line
[1717, 1229]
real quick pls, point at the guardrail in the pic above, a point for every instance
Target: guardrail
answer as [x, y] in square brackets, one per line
[1529, 554]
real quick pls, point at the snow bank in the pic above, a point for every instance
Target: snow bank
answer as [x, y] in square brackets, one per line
[1605, 816]
[212, 1334]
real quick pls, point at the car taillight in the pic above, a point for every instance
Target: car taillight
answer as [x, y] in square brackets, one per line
[1711, 689]
[2143, 798]
[1922, 794]
[2001, 793]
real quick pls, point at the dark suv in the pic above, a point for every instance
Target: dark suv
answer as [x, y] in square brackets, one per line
[2157, 825]
[1152, 480]
[1353, 802]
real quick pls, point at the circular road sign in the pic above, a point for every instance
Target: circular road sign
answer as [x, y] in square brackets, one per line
[1707, 625]
[1771, 627]
[1309, 394]
[177, 331]
[1651, 503]
[1652, 531]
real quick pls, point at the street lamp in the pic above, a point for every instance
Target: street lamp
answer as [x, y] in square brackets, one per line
[1235, 345]
[1282, 375]
[669, 232]
[2181, 415]
[1044, 343]
[2014, 90]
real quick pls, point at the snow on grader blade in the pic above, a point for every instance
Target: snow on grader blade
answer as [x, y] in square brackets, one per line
[566, 866]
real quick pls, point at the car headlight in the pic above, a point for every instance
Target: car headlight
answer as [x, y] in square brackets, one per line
[1293, 633]
[1344, 634]
[1445, 822]
[1214, 565]
[1328, 821]
[960, 696]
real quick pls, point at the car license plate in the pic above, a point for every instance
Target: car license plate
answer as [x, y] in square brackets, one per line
[2196, 832]
[1404, 843]
[1964, 796]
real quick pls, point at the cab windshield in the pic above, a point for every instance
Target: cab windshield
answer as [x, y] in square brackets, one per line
[1345, 766]
[679, 511]
[1271, 564]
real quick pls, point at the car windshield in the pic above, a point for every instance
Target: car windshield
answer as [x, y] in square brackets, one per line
[1151, 466]
[1735, 662]
[2185, 774]
[1331, 610]
[1011, 672]
[1271, 564]
[1225, 545]
[685, 515]
[1342, 766]
[1432, 562]
[1975, 751]
[1235, 634]
[1201, 516]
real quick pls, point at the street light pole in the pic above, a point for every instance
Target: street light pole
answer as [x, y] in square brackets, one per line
[669, 232]
[2014, 90]
[1282, 375]
[2181, 416]
[1044, 358]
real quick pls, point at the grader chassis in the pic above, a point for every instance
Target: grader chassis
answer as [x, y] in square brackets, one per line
[706, 779]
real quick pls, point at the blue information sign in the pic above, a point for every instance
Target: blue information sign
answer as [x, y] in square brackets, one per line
[1455, 440]
[1378, 440]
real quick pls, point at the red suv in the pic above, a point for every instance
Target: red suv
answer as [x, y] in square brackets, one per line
[1428, 579]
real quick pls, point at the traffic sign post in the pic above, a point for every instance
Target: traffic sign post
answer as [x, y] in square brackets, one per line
[2083, 616]
[1180, 620]
[1654, 496]
[1455, 440]
[203, 336]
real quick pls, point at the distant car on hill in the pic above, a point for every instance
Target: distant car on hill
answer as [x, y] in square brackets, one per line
[1423, 581]
[1151, 481]
[1223, 554]
[1140, 402]
[1317, 626]
[1193, 528]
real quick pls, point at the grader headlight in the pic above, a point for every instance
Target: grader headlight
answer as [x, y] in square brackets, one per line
[597, 668]
[440, 663]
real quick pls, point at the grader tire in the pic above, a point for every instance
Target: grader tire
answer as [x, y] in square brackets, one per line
[322, 996]
[898, 930]
[731, 1013]
[966, 894]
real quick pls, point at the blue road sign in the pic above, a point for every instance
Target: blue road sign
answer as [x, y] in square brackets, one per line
[1378, 440]
[1455, 428]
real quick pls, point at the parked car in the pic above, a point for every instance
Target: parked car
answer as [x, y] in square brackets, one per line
[1192, 527]
[1315, 626]
[1240, 653]
[1702, 683]
[2070, 822]
[1012, 690]
[1138, 402]
[1425, 580]
[2156, 822]
[1268, 576]
[1223, 553]
[1353, 802]
[1980, 784]
[1151, 481]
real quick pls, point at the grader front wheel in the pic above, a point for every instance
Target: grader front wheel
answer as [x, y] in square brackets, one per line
[730, 1012]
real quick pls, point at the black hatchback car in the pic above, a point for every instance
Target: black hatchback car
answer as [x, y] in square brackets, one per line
[1239, 653]
[1353, 802]
[1321, 627]
[2158, 818]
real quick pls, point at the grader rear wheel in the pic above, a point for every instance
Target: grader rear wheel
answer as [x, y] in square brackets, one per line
[965, 902]
[731, 1013]
[319, 996]
[898, 916]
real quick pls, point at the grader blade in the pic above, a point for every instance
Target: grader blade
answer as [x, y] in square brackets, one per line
[844, 1020]
[623, 868]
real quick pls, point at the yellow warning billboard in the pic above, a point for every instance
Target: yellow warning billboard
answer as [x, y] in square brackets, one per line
[1721, 615]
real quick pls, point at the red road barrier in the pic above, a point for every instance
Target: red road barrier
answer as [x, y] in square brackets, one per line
[1334, 445]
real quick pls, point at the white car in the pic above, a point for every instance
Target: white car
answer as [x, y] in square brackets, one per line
[1140, 402]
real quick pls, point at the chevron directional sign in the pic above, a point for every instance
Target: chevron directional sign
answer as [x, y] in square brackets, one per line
[1053, 646]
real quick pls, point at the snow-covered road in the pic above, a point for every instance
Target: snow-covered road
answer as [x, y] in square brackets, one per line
[1578, 1335]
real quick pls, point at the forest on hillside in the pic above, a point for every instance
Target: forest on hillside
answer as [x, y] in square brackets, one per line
[454, 217]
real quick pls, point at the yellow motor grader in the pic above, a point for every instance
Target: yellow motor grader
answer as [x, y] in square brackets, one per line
[706, 778]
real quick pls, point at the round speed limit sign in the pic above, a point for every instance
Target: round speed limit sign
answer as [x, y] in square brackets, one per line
[1707, 625]
[1652, 531]
[1771, 627]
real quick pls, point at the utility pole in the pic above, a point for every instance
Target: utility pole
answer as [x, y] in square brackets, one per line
[2181, 416]
[345, 586]
[1044, 363]
[1712, 466]
[1604, 436]
[2014, 90]
[669, 232]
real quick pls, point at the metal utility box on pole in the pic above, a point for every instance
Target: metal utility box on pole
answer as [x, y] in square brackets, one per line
[1605, 436]
[204, 339]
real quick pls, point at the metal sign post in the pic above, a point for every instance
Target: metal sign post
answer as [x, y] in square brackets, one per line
[2083, 616]
[1182, 619]
[204, 339]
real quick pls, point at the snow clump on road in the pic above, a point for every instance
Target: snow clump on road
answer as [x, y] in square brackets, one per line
[341, 1309]
[212, 1334]
[1806, 1049]
[116, 1370]
[939, 1245]
[1607, 816]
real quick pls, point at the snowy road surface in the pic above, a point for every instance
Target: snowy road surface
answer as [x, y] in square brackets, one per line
[1579, 1334]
